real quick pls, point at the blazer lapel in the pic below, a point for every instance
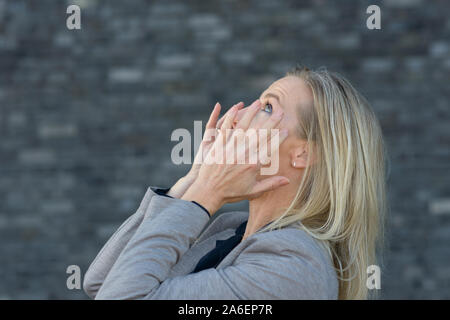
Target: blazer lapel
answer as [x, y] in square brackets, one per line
[220, 228]
[226, 220]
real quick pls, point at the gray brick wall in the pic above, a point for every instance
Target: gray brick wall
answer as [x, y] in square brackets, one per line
[86, 116]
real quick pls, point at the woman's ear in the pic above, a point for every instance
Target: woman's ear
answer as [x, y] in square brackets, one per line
[299, 156]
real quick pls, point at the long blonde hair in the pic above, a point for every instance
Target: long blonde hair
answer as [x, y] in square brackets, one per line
[341, 200]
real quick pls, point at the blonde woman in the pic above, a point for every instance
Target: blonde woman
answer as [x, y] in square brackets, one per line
[311, 230]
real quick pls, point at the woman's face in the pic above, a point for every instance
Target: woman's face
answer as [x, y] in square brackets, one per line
[286, 96]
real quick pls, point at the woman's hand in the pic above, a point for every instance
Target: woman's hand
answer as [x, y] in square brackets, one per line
[219, 182]
[180, 187]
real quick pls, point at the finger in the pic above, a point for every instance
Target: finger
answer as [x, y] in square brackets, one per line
[260, 139]
[239, 105]
[228, 122]
[267, 130]
[270, 184]
[273, 120]
[210, 129]
[244, 123]
[211, 124]
[275, 140]
[282, 135]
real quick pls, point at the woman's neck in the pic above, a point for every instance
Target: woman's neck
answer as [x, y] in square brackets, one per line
[268, 207]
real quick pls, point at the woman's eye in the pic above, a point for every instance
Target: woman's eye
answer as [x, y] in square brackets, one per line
[268, 108]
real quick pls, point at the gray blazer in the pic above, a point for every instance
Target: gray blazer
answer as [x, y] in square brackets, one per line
[152, 253]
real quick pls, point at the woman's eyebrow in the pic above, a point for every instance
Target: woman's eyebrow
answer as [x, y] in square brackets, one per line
[273, 95]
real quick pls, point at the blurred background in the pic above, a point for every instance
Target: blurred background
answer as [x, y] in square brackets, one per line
[86, 117]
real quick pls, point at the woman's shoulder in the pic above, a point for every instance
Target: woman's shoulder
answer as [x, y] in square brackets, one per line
[293, 240]
[289, 251]
[290, 237]
[294, 255]
[290, 241]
